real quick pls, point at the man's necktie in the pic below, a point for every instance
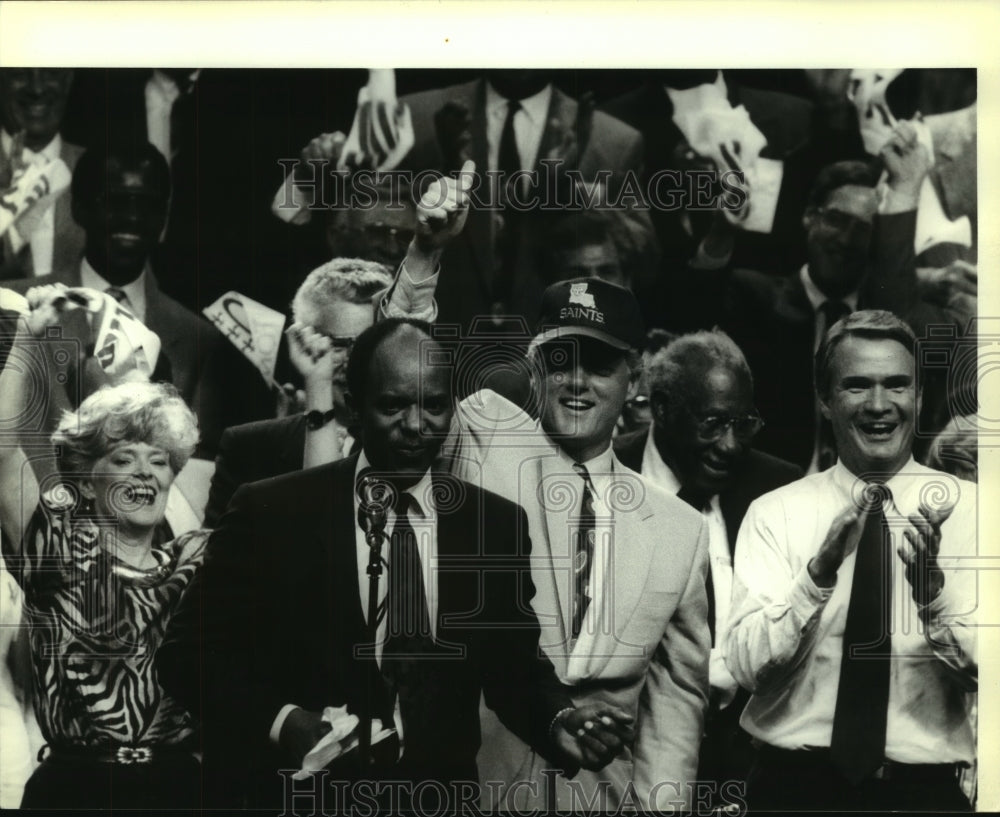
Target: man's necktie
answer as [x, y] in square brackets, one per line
[700, 504]
[508, 238]
[584, 552]
[857, 746]
[826, 445]
[408, 630]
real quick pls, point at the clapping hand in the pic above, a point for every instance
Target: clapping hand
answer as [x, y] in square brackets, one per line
[920, 551]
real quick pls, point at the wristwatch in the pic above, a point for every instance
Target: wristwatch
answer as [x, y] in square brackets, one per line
[315, 420]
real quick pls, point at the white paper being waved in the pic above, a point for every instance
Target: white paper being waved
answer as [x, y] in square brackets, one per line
[251, 327]
[867, 89]
[122, 343]
[382, 132]
[341, 739]
[31, 193]
[728, 137]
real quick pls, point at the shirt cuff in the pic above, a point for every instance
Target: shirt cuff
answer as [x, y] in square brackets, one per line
[279, 721]
[289, 204]
[411, 299]
[806, 596]
[895, 202]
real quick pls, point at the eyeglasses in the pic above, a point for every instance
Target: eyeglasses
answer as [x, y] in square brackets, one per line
[342, 343]
[714, 426]
[845, 222]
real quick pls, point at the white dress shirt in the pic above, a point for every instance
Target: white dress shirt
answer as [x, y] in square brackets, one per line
[529, 125]
[785, 638]
[422, 514]
[135, 291]
[719, 554]
[43, 237]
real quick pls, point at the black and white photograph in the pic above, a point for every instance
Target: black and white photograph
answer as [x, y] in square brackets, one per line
[502, 428]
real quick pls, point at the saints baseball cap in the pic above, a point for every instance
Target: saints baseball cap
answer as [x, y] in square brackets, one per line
[592, 308]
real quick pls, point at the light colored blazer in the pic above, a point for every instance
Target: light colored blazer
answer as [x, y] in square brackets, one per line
[650, 654]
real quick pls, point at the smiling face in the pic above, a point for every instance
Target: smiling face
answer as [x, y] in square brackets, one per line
[407, 407]
[131, 482]
[584, 386]
[704, 465]
[838, 237]
[33, 100]
[871, 402]
[123, 219]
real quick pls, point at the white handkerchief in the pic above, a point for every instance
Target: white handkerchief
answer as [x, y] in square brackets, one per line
[341, 739]
[764, 181]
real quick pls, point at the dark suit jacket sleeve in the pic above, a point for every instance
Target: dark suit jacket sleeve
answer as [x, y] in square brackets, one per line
[231, 471]
[519, 682]
[214, 640]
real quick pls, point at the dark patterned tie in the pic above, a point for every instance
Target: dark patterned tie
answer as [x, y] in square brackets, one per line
[508, 235]
[583, 556]
[826, 445]
[408, 630]
[857, 746]
[700, 504]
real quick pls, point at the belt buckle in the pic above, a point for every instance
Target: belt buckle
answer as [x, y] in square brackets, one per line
[128, 755]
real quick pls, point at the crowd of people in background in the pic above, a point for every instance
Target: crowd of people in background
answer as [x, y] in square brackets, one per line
[675, 368]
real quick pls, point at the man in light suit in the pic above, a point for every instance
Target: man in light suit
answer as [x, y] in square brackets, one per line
[278, 617]
[32, 104]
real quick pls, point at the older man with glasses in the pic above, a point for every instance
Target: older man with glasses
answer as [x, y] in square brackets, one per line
[698, 447]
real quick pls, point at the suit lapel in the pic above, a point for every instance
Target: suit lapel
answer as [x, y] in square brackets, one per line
[631, 552]
[560, 497]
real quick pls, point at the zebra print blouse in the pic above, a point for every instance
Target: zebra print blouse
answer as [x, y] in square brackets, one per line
[95, 626]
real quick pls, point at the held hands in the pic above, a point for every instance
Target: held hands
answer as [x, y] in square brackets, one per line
[443, 209]
[840, 542]
[300, 732]
[593, 735]
[906, 160]
[47, 303]
[920, 551]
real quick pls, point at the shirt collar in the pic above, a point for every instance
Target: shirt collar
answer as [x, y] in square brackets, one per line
[900, 484]
[422, 491]
[51, 151]
[665, 476]
[816, 296]
[536, 107]
[165, 84]
[135, 290]
[700, 97]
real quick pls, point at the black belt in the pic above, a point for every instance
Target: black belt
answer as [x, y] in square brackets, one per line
[791, 759]
[114, 753]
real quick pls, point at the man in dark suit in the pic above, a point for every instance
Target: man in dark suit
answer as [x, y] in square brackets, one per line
[492, 269]
[120, 193]
[32, 104]
[698, 448]
[860, 255]
[277, 621]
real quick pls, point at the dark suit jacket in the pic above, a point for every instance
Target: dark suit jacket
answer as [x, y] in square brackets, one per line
[756, 474]
[275, 618]
[468, 275]
[784, 121]
[252, 452]
[68, 239]
[771, 319]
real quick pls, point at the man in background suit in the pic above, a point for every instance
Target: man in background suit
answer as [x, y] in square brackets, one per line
[278, 619]
[860, 255]
[698, 448]
[32, 104]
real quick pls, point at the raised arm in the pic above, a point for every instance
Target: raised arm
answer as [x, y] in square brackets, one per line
[441, 214]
